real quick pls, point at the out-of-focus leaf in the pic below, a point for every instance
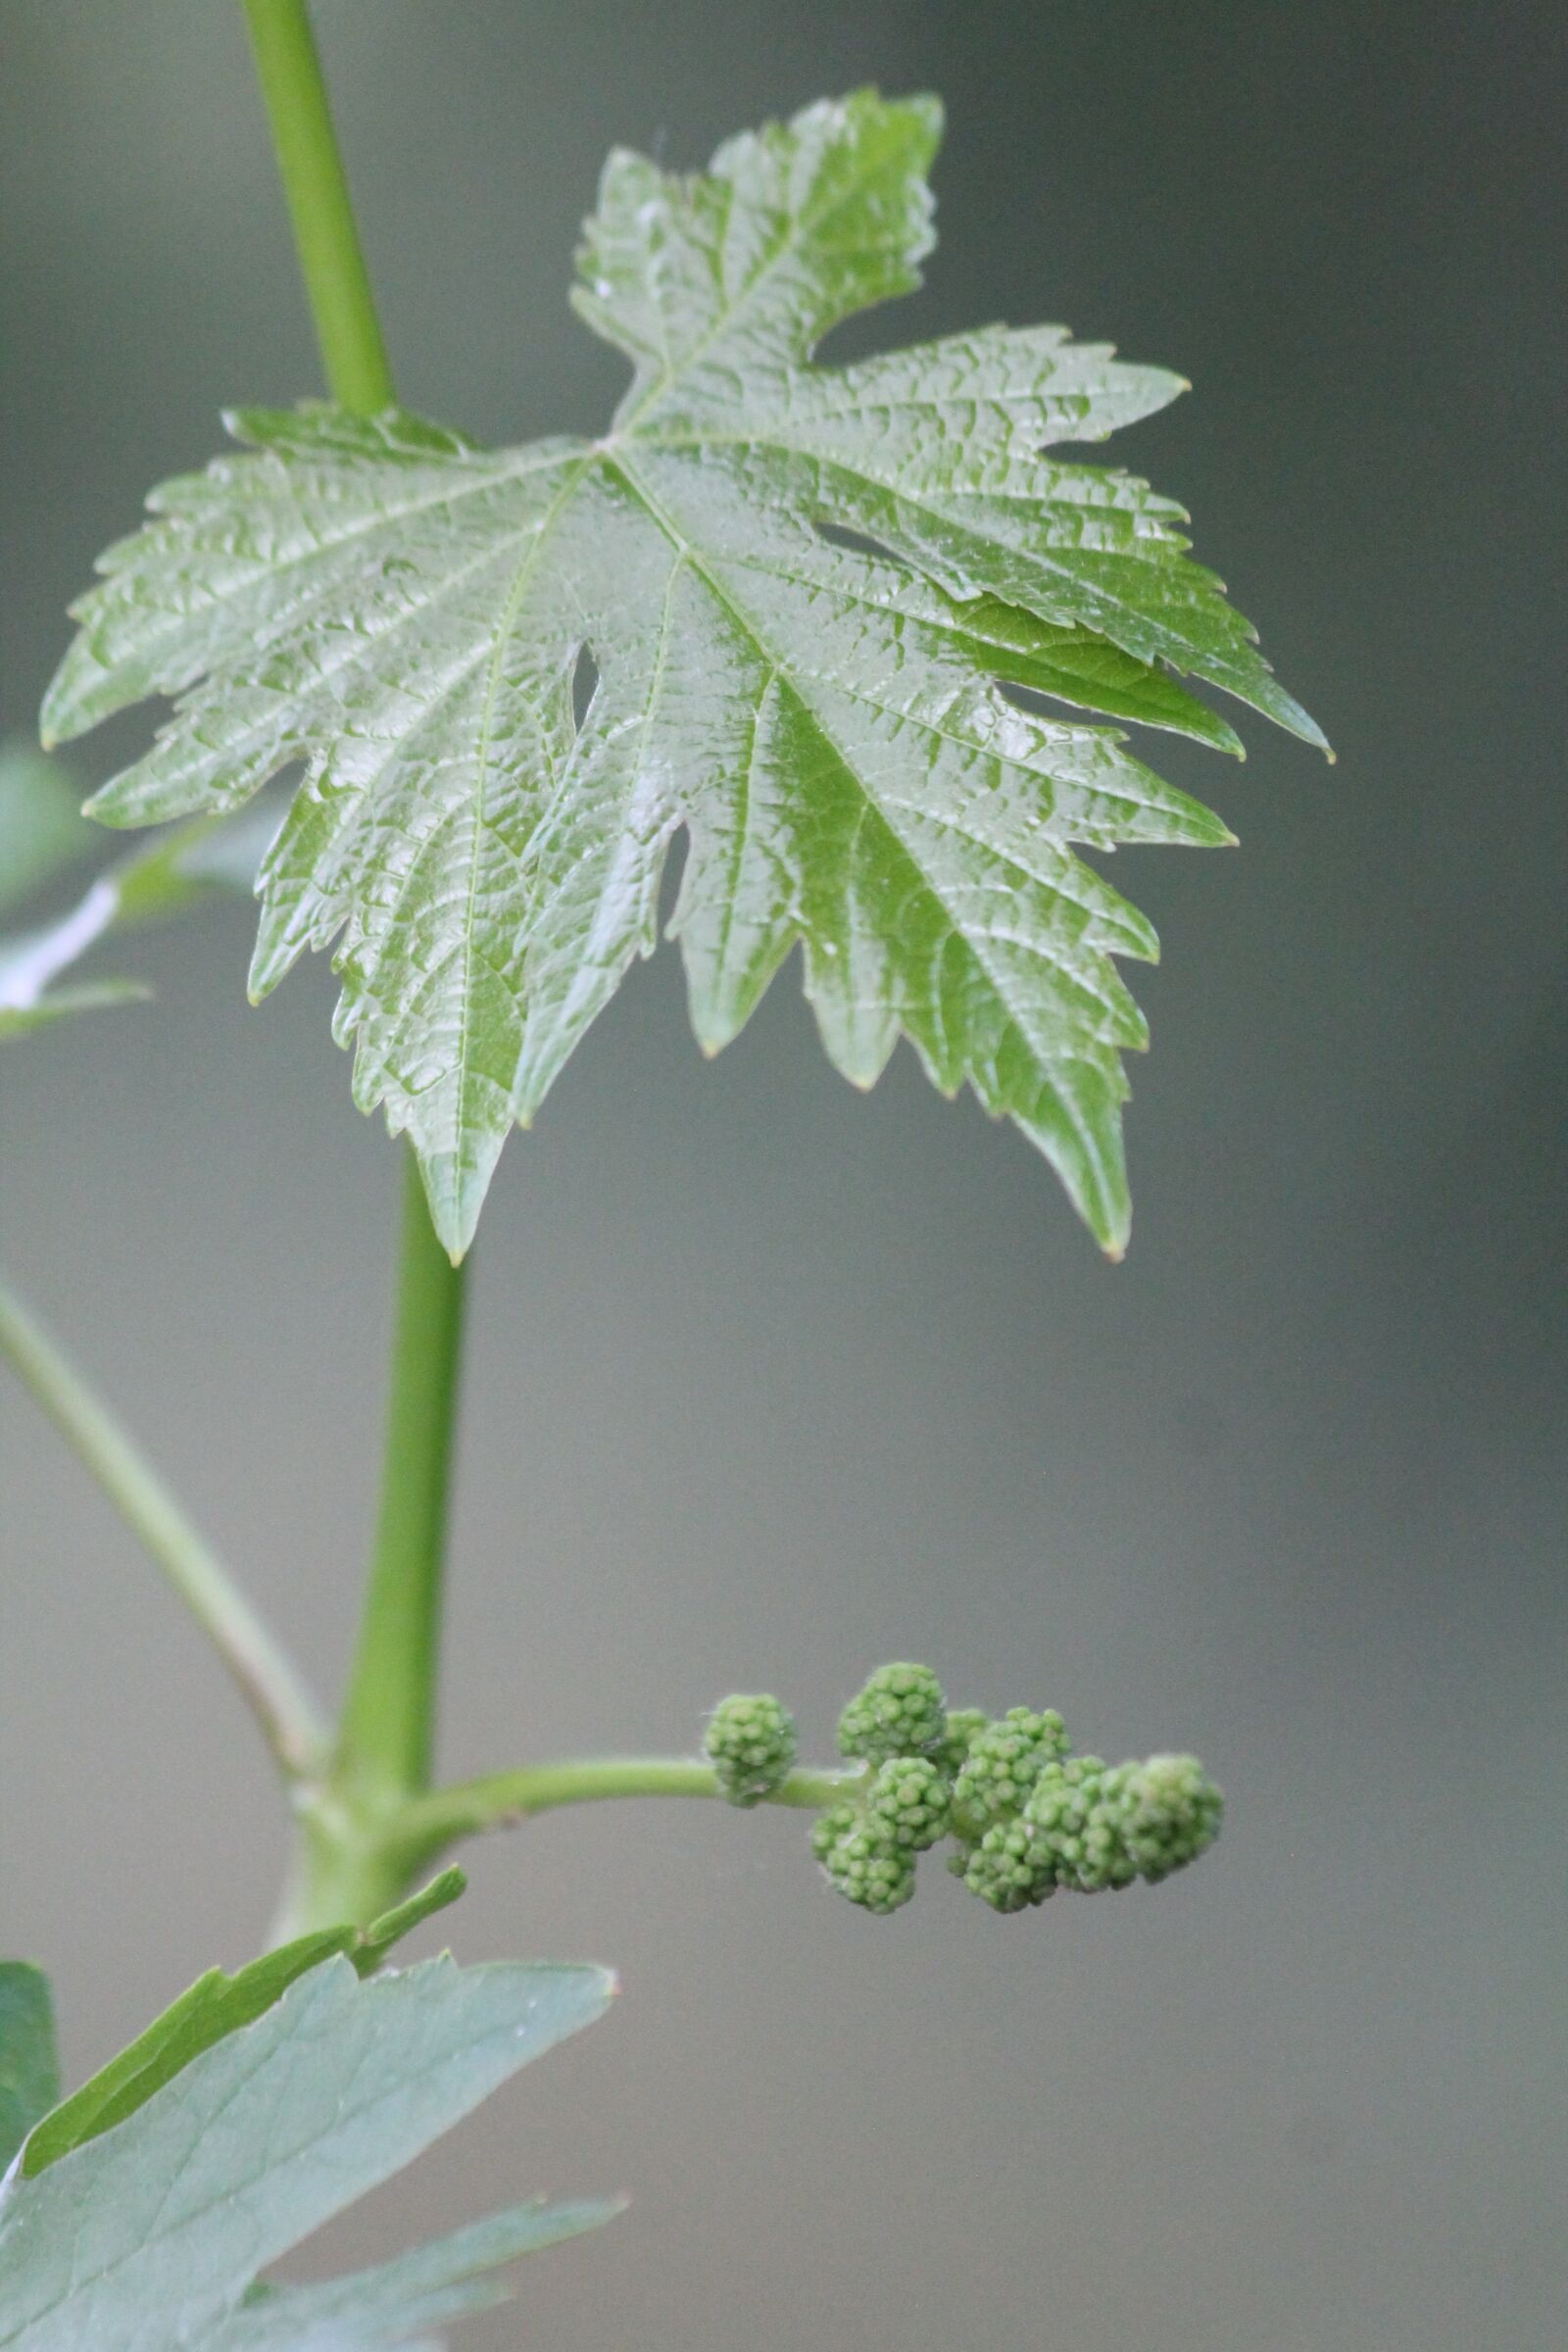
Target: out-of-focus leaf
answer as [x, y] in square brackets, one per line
[29, 2073]
[152, 2234]
[42, 829]
[789, 596]
[191, 863]
[59, 1003]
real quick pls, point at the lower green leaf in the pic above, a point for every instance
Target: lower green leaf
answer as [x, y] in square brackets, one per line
[29, 2073]
[151, 2233]
[444, 2281]
[217, 2005]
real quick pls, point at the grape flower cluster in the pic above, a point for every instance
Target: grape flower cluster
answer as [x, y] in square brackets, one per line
[1025, 1816]
[751, 1745]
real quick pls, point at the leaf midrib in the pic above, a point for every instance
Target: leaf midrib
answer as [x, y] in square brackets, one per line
[666, 523]
[526, 568]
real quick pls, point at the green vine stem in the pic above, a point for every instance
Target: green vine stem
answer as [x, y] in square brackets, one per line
[266, 1678]
[385, 1739]
[316, 189]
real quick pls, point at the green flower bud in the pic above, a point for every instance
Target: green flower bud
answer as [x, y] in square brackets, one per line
[869, 1869]
[1006, 1870]
[751, 1743]
[1004, 1762]
[830, 1827]
[964, 1726]
[1074, 1813]
[907, 1803]
[900, 1712]
[1171, 1813]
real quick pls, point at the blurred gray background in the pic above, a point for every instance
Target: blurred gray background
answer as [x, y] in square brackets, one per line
[769, 1381]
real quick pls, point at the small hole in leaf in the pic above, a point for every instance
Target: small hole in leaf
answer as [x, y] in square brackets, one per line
[858, 543]
[1030, 698]
[672, 876]
[584, 684]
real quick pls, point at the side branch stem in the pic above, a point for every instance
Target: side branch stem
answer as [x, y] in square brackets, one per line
[266, 1676]
[428, 1825]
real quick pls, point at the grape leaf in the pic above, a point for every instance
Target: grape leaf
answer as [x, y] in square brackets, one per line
[29, 2073]
[215, 2005]
[444, 2281]
[796, 592]
[175, 873]
[371, 1944]
[56, 1004]
[41, 825]
[152, 2234]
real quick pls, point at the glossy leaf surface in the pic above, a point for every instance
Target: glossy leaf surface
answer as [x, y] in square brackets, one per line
[794, 591]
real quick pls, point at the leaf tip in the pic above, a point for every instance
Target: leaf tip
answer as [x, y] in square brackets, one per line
[927, 106]
[60, 716]
[455, 1182]
[1286, 712]
[105, 808]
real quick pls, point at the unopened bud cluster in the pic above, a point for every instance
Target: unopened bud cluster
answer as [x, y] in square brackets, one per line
[1025, 1816]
